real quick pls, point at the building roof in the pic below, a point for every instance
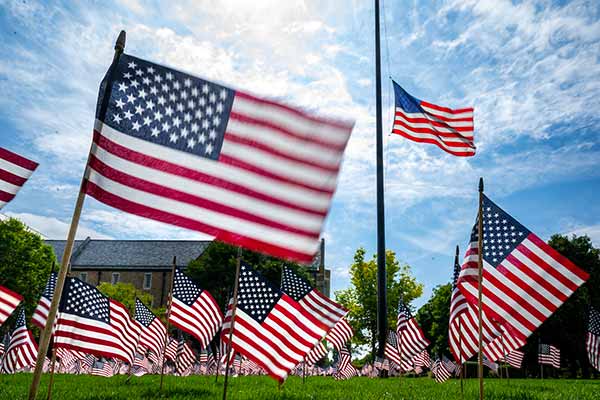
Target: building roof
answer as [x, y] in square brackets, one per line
[130, 254]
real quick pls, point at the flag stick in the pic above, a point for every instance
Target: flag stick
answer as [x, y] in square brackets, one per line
[303, 370]
[480, 284]
[66, 258]
[460, 353]
[170, 300]
[51, 382]
[381, 273]
[232, 323]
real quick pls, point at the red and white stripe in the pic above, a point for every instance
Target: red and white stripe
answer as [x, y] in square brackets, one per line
[501, 346]
[153, 339]
[515, 358]
[9, 300]
[525, 289]
[102, 368]
[422, 359]
[185, 358]
[115, 340]
[411, 337]
[449, 129]
[280, 342]
[14, 172]
[269, 191]
[316, 354]
[553, 358]
[440, 371]
[171, 350]
[22, 351]
[40, 314]
[202, 319]
[340, 334]
[322, 307]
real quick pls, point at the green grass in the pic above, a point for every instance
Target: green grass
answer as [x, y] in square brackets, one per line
[200, 387]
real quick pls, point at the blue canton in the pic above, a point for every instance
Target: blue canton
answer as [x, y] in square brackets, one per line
[50, 285]
[256, 296]
[184, 289]
[594, 322]
[85, 301]
[293, 285]
[405, 101]
[168, 107]
[142, 314]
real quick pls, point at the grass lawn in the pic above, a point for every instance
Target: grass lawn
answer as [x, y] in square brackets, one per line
[242, 388]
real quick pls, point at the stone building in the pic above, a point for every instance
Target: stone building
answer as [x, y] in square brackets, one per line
[147, 264]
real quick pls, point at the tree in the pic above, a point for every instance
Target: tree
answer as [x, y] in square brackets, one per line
[434, 317]
[25, 263]
[126, 293]
[361, 297]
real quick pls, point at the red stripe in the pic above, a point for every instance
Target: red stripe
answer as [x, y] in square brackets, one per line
[5, 196]
[467, 138]
[17, 159]
[438, 123]
[320, 120]
[9, 292]
[173, 219]
[96, 352]
[559, 258]
[232, 137]
[446, 109]
[432, 141]
[161, 165]
[12, 178]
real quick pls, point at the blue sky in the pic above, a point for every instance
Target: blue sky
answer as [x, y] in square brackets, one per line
[530, 69]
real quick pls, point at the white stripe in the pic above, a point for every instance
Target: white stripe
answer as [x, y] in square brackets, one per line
[451, 143]
[438, 113]
[313, 330]
[539, 271]
[531, 282]
[302, 149]
[264, 233]
[289, 192]
[15, 169]
[291, 121]
[9, 187]
[562, 270]
[404, 117]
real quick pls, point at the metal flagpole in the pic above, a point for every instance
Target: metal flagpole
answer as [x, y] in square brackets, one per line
[381, 269]
[170, 300]
[480, 282]
[66, 258]
[232, 323]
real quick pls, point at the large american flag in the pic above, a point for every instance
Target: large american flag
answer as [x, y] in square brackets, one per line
[340, 334]
[153, 331]
[194, 310]
[524, 279]
[412, 340]
[326, 310]
[9, 301]
[449, 129]
[592, 339]
[22, 349]
[14, 172]
[90, 322]
[270, 328]
[192, 153]
[549, 355]
[40, 315]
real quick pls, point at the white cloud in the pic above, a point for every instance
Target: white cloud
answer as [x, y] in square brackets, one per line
[54, 228]
[593, 231]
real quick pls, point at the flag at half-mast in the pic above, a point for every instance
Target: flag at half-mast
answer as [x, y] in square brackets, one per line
[449, 129]
[14, 172]
[192, 153]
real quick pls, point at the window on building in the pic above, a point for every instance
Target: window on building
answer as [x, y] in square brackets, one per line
[115, 278]
[83, 276]
[148, 280]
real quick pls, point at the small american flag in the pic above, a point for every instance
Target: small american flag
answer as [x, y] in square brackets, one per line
[185, 358]
[440, 371]
[171, 350]
[9, 301]
[41, 311]
[490, 364]
[502, 345]
[592, 341]
[549, 355]
[525, 280]
[340, 334]
[270, 328]
[322, 307]
[316, 354]
[420, 121]
[194, 310]
[153, 331]
[515, 358]
[14, 172]
[345, 369]
[102, 368]
[188, 152]
[422, 360]
[412, 340]
[392, 351]
[22, 349]
[90, 322]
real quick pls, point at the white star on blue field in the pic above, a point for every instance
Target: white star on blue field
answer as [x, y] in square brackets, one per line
[530, 70]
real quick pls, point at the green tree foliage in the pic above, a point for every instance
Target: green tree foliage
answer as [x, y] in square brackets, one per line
[434, 316]
[361, 297]
[25, 263]
[214, 270]
[126, 293]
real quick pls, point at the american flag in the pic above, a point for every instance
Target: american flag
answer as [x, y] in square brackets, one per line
[422, 360]
[9, 300]
[412, 340]
[141, 365]
[340, 334]
[14, 172]
[392, 352]
[69, 357]
[171, 350]
[502, 345]
[270, 328]
[188, 152]
[194, 310]
[345, 369]
[420, 121]
[322, 307]
[316, 354]
[153, 331]
[525, 280]
[490, 364]
[549, 355]
[185, 357]
[515, 358]
[592, 341]
[440, 371]
[4, 344]
[102, 368]
[41, 311]
[22, 349]
[90, 322]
